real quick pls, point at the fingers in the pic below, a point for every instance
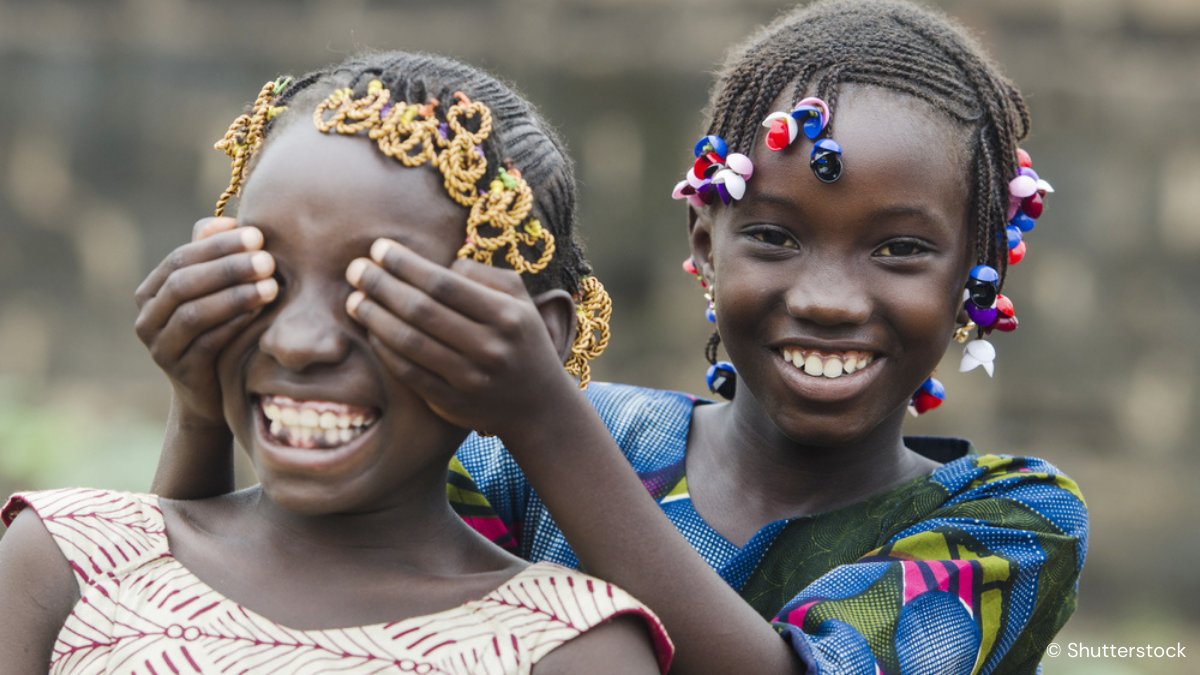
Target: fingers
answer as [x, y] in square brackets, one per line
[412, 305]
[394, 338]
[207, 227]
[463, 294]
[196, 281]
[435, 391]
[211, 247]
[503, 280]
[205, 321]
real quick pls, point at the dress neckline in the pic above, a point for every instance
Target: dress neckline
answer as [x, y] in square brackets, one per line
[466, 608]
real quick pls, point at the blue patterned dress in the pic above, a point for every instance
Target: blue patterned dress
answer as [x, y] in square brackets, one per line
[972, 569]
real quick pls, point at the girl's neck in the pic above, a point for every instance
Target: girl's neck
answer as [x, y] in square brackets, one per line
[743, 472]
[330, 571]
[419, 532]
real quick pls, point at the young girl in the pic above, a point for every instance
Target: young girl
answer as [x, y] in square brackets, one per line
[856, 201]
[348, 556]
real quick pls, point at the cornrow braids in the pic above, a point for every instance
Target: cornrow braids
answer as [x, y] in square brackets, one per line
[894, 45]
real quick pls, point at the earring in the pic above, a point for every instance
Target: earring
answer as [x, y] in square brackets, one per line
[721, 376]
[928, 396]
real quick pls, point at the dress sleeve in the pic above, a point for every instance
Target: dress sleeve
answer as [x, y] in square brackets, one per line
[490, 492]
[979, 586]
[98, 531]
[547, 606]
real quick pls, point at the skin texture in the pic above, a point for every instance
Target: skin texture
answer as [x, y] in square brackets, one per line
[189, 308]
[363, 531]
[875, 262]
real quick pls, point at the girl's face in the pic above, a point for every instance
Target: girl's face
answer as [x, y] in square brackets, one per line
[812, 276]
[327, 429]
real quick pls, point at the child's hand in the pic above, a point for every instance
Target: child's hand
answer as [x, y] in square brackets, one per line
[196, 300]
[467, 338]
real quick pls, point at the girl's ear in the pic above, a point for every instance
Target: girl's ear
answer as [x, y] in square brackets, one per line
[558, 313]
[700, 236]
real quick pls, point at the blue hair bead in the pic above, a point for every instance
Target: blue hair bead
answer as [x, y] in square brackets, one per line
[1023, 222]
[1014, 236]
[722, 379]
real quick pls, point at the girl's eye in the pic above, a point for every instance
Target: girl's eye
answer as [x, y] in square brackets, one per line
[898, 249]
[774, 237]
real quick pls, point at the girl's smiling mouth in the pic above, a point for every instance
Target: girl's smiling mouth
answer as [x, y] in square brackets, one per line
[313, 425]
[829, 364]
[827, 375]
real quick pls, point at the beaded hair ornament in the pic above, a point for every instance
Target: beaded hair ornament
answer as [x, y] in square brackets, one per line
[499, 218]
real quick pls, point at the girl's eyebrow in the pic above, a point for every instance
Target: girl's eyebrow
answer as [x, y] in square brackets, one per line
[766, 198]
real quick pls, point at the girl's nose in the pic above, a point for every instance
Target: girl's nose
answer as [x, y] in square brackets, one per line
[829, 295]
[306, 332]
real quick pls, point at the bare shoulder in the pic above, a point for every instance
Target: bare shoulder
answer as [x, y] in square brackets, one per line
[619, 646]
[37, 592]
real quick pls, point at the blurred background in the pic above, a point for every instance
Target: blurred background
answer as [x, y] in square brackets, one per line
[109, 110]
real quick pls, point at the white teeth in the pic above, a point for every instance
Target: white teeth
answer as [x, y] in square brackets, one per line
[309, 417]
[823, 364]
[833, 368]
[305, 424]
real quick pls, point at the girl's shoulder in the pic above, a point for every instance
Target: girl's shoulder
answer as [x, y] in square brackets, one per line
[997, 473]
[546, 605]
[1021, 491]
[100, 532]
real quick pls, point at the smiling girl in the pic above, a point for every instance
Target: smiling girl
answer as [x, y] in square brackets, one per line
[347, 556]
[855, 202]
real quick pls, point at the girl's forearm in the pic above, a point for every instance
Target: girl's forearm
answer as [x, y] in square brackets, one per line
[621, 534]
[196, 459]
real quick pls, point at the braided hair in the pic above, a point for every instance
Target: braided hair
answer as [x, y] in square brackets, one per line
[519, 136]
[895, 45]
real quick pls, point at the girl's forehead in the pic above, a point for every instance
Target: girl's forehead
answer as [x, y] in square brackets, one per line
[341, 189]
[898, 151]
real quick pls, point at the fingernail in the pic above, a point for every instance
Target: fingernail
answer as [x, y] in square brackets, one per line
[252, 238]
[354, 273]
[267, 289]
[214, 225]
[263, 263]
[380, 248]
[353, 302]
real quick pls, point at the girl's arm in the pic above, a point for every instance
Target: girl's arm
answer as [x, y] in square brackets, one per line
[197, 299]
[196, 459]
[37, 593]
[619, 646]
[478, 350]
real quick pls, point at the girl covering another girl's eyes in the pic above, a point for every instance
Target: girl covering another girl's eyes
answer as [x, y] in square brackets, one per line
[347, 556]
[854, 202]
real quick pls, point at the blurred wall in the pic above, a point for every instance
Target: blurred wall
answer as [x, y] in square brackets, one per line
[110, 107]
